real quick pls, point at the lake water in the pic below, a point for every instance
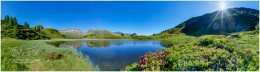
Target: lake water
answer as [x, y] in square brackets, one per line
[111, 54]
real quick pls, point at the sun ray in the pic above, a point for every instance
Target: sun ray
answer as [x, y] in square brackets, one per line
[224, 17]
[213, 20]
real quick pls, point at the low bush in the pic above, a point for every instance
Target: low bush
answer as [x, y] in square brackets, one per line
[167, 43]
[151, 61]
[217, 42]
[53, 56]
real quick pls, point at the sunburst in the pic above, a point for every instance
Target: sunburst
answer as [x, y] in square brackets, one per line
[223, 14]
[222, 5]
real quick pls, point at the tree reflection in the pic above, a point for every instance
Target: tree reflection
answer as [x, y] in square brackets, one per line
[72, 44]
[67, 44]
[98, 44]
[55, 43]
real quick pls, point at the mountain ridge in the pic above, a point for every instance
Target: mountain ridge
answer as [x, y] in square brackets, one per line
[77, 33]
[233, 20]
[107, 32]
[73, 33]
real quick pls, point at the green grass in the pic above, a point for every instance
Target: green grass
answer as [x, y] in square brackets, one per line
[35, 55]
[235, 52]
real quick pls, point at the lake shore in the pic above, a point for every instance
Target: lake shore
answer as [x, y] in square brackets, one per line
[37, 55]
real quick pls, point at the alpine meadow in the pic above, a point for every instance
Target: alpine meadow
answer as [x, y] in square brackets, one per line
[129, 35]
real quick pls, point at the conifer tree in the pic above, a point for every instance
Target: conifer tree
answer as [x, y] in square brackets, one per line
[26, 25]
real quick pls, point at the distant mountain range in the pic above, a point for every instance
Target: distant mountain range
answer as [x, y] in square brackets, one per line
[106, 32]
[73, 33]
[76, 33]
[218, 22]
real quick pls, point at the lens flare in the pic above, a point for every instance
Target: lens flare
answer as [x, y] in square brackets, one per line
[222, 5]
[223, 20]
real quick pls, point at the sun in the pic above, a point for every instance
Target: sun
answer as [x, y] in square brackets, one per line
[222, 16]
[222, 5]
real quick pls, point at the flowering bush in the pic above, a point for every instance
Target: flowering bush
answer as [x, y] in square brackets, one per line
[153, 61]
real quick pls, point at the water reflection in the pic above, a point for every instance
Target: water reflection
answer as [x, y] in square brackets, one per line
[67, 44]
[111, 54]
[101, 43]
[98, 44]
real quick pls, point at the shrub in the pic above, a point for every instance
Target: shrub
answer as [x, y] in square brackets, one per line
[167, 43]
[151, 62]
[217, 42]
[205, 41]
[53, 55]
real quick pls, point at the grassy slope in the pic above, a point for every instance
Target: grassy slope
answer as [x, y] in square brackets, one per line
[53, 33]
[238, 51]
[32, 55]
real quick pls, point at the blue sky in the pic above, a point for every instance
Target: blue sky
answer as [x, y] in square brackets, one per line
[142, 17]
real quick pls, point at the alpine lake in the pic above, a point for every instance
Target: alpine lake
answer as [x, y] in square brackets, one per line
[111, 55]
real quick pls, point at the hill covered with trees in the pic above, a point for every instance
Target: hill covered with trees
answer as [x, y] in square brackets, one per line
[11, 29]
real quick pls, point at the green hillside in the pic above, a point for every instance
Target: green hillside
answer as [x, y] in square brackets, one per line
[233, 20]
[52, 33]
[187, 50]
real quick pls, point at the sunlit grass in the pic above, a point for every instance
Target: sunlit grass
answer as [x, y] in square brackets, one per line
[30, 55]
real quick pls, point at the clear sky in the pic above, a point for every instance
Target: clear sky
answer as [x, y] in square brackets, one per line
[142, 17]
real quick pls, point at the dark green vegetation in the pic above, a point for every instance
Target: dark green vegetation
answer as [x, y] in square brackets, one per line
[199, 45]
[37, 55]
[235, 20]
[11, 29]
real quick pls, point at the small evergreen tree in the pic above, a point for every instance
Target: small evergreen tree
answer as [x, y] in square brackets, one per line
[26, 25]
[14, 22]
[15, 31]
[9, 22]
